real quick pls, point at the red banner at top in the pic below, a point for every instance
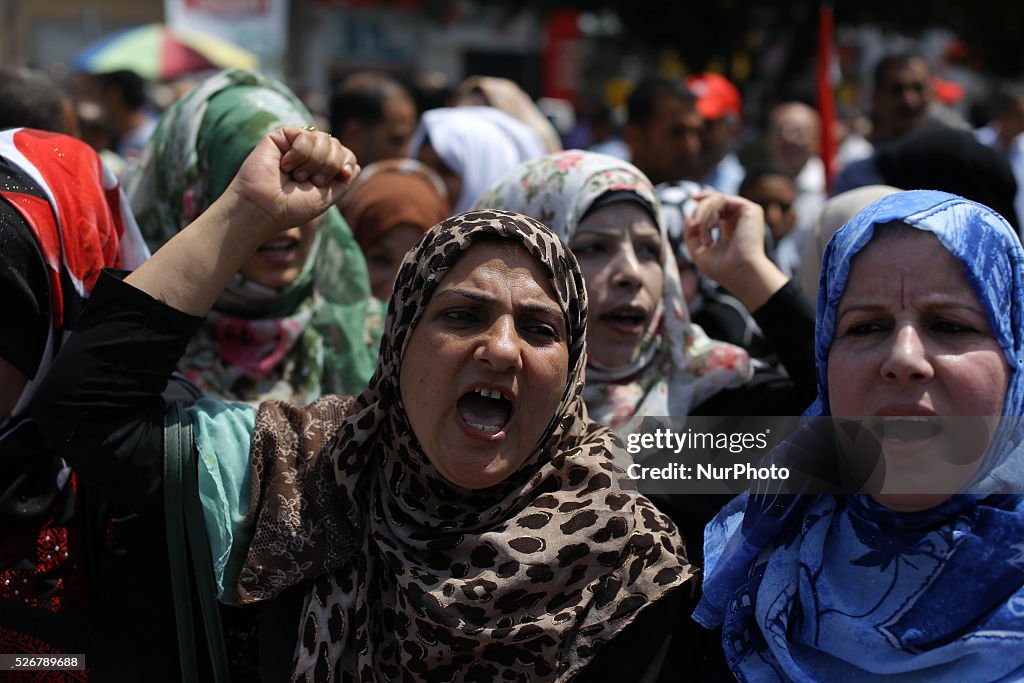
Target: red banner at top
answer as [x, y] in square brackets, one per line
[827, 66]
[562, 55]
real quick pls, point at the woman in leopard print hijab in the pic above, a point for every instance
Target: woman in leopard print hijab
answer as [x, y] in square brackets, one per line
[461, 519]
[523, 579]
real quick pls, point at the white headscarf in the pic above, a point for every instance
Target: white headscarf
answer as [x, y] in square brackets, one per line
[480, 144]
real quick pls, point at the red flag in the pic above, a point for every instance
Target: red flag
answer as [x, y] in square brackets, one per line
[826, 93]
[563, 46]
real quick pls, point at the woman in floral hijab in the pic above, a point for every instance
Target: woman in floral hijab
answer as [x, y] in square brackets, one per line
[674, 365]
[292, 324]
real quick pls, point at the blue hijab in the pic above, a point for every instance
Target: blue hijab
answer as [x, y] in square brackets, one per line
[840, 588]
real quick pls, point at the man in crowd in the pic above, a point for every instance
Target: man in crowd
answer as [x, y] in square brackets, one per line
[375, 115]
[720, 106]
[31, 99]
[1005, 133]
[773, 189]
[663, 130]
[902, 96]
[793, 140]
[902, 101]
[123, 96]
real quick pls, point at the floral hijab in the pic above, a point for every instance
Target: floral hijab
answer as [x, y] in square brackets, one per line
[679, 366]
[834, 587]
[524, 580]
[258, 343]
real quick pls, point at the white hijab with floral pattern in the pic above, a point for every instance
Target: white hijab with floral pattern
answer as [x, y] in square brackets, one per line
[678, 366]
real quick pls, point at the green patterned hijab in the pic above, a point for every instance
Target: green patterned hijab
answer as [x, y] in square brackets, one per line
[259, 343]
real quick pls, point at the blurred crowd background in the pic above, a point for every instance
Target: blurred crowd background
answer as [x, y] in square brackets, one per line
[579, 60]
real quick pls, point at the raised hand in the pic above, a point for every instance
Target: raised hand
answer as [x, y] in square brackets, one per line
[740, 235]
[736, 259]
[292, 176]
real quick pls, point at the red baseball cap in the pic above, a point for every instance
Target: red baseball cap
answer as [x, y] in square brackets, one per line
[948, 92]
[716, 95]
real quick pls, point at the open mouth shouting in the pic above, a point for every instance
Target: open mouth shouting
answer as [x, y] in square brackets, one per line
[485, 411]
[628, 319]
[281, 249]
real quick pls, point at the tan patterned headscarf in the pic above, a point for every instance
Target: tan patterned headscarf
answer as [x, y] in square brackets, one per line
[523, 581]
[506, 95]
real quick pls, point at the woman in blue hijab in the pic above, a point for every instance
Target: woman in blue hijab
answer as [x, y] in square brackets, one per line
[919, 321]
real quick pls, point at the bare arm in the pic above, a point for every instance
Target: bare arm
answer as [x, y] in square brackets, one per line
[290, 177]
[737, 260]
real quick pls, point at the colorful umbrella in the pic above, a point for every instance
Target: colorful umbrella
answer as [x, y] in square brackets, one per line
[155, 51]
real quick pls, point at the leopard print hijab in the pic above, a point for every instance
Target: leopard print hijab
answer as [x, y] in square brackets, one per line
[524, 580]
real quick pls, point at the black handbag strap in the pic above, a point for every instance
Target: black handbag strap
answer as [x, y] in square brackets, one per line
[177, 546]
[187, 543]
